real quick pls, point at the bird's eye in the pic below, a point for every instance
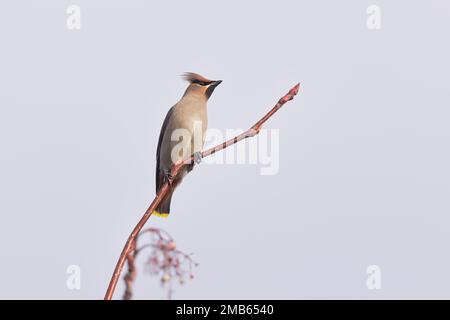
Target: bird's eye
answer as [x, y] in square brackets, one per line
[201, 83]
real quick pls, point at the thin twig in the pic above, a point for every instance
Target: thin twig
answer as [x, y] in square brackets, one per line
[131, 274]
[254, 130]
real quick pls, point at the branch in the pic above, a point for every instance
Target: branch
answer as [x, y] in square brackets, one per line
[129, 245]
[131, 274]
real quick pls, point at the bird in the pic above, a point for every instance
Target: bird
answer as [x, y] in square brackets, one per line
[182, 135]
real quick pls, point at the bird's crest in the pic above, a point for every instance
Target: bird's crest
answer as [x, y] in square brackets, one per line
[195, 78]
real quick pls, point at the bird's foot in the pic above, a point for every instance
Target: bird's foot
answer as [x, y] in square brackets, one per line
[197, 157]
[168, 177]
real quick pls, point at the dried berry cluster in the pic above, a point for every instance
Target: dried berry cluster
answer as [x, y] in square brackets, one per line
[165, 261]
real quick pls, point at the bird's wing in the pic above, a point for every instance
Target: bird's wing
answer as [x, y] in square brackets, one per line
[159, 174]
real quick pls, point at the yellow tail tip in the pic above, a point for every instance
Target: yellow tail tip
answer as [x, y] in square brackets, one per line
[158, 214]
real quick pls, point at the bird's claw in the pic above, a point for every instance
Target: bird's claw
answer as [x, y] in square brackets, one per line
[168, 177]
[197, 157]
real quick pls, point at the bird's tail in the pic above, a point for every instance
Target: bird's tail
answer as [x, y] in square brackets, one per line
[163, 209]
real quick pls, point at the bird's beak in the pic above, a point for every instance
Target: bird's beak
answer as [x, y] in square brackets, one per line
[216, 83]
[211, 88]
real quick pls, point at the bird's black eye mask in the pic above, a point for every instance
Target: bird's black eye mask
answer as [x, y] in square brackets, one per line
[202, 83]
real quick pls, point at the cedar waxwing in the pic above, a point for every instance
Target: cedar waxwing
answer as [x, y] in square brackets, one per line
[182, 135]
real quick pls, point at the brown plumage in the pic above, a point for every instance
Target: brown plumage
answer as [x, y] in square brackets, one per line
[187, 113]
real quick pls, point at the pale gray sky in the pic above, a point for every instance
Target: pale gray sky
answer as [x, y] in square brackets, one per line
[363, 156]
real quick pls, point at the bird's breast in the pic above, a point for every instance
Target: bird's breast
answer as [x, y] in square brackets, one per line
[193, 116]
[185, 133]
